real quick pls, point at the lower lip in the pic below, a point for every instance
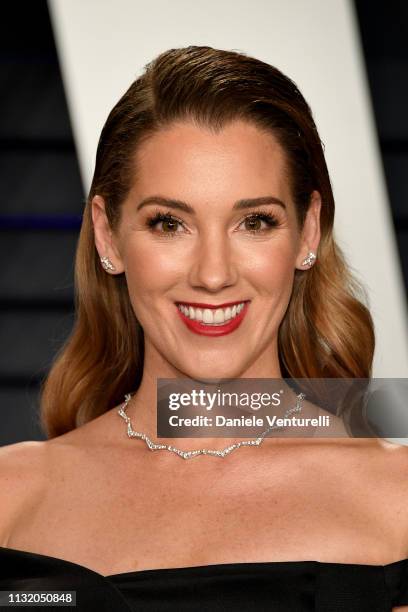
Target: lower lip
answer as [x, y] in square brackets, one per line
[214, 330]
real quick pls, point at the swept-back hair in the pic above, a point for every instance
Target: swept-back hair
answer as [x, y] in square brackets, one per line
[327, 330]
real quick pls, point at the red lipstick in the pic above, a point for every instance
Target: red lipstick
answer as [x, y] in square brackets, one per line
[213, 330]
[214, 307]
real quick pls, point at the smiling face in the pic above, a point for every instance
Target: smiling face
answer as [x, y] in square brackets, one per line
[229, 235]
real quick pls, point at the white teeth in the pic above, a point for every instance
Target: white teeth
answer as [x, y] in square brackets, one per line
[218, 316]
[209, 316]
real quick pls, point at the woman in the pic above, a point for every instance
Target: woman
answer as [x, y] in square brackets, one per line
[210, 190]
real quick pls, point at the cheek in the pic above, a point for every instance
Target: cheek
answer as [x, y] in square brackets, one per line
[151, 268]
[272, 268]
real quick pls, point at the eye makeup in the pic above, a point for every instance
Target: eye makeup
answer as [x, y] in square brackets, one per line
[271, 220]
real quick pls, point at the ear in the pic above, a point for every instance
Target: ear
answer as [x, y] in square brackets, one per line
[310, 236]
[104, 238]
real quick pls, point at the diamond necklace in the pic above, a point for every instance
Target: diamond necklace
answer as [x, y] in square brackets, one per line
[203, 451]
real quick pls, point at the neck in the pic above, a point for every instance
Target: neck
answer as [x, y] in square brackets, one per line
[142, 408]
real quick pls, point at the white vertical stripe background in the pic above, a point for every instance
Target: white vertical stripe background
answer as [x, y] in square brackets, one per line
[103, 46]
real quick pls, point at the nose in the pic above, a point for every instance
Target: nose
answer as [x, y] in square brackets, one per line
[212, 266]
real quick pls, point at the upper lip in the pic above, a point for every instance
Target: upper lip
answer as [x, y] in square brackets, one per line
[214, 306]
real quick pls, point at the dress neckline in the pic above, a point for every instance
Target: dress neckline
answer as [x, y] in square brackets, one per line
[195, 569]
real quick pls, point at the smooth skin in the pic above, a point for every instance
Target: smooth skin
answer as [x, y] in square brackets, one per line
[94, 490]
[213, 259]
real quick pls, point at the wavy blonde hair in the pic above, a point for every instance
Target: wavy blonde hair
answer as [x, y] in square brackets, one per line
[327, 330]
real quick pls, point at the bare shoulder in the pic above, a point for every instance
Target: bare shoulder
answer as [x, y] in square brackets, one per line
[393, 456]
[383, 460]
[22, 461]
[395, 460]
[387, 478]
[23, 469]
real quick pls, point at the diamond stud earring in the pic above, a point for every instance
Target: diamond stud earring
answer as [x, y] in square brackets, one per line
[309, 259]
[107, 264]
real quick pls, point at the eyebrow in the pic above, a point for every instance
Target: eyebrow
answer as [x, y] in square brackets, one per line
[239, 205]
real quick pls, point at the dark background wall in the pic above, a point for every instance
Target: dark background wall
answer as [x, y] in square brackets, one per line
[384, 35]
[41, 200]
[42, 197]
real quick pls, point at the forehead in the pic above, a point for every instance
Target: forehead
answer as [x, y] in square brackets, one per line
[192, 162]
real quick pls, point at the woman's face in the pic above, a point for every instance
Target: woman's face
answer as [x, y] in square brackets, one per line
[211, 248]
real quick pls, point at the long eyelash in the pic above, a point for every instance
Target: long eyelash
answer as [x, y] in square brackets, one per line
[159, 216]
[270, 219]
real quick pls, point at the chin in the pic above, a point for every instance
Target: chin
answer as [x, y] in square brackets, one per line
[211, 374]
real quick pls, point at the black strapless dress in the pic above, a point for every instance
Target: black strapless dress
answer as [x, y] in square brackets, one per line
[288, 586]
